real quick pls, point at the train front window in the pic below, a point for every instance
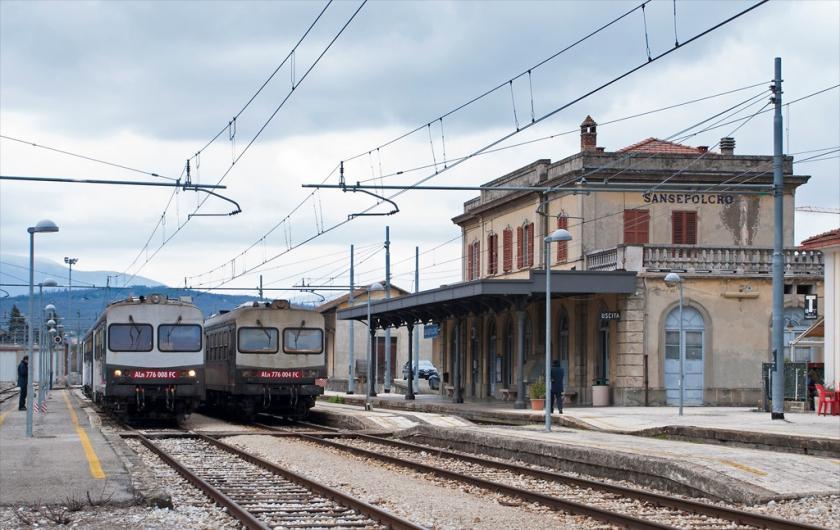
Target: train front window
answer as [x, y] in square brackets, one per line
[179, 337]
[303, 340]
[130, 337]
[258, 340]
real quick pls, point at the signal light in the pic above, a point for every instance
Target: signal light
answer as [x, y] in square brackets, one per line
[191, 373]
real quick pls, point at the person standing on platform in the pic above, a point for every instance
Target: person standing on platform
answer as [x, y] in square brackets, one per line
[23, 380]
[557, 375]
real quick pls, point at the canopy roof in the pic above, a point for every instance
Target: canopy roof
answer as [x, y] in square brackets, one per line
[480, 296]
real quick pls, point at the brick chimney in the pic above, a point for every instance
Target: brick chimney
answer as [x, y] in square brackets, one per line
[588, 134]
[727, 146]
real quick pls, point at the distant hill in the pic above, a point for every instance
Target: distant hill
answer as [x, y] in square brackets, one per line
[15, 269]
[90, 302]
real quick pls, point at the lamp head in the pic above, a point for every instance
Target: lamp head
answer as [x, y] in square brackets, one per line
[45, 225]
[375, 287]
[672, 278]
[71, 261]
[561, 234]
[49, 307]
[50, 322]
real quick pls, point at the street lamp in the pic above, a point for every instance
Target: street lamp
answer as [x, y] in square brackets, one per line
[42, 226]
[42, 387]
[672, 278]
[70, 262]
[558, 235]
[371, 332]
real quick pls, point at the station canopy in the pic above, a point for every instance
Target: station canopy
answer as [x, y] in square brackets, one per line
[486, 295]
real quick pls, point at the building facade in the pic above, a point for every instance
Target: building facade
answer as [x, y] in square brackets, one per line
[645, 210]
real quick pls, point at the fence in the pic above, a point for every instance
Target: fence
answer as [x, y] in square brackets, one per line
[798, 386]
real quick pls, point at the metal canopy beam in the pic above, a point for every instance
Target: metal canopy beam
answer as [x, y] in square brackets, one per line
[462, 299]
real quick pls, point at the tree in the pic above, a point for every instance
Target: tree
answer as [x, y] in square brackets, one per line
[17, 326]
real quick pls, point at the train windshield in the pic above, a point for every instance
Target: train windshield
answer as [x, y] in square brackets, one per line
[179, 337]
[258, 340]
[130, 337]
[303, 340]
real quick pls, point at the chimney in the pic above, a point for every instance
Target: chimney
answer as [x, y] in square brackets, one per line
[727, 146]
[703, 148]
[588, 134]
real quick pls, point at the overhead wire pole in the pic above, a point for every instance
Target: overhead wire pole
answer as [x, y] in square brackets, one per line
[778, 382]
[388, 367]
[351, 373]
[416, 376]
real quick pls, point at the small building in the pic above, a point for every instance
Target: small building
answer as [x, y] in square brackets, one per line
[338, 341]
[634, 214]
[829, 326]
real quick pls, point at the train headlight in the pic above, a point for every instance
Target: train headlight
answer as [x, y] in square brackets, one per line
[117, 373]
[191, 373]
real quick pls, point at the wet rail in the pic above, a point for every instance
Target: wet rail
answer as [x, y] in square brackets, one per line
[617, 505]
[261, 494]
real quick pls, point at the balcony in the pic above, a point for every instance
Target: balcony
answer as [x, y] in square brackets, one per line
[704, 260]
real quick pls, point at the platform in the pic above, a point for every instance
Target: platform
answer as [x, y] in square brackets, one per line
[804, 433]
[603, 447]
[65, 459]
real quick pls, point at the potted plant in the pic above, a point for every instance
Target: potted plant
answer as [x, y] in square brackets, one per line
[537, 393]
[601, 393]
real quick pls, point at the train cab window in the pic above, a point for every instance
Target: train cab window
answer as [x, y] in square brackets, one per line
[258, 340]
[130, 337]
[179, 337]
[303, 340]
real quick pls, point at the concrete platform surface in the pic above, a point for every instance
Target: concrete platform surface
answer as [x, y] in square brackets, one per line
[804, 433]
[66, 458]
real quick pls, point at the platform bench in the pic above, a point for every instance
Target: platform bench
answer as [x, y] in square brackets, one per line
[508, 394]
[450, 390]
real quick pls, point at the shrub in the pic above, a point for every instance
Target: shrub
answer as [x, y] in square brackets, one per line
[537, 389]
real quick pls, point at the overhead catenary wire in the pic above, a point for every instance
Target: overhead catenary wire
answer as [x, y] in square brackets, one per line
[540, 119]
[259, 132]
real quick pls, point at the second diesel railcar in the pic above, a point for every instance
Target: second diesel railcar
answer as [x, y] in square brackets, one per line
[265, 357]
[144, 358]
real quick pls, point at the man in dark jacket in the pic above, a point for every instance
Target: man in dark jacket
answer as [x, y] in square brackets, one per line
[23, 380]
[557, 375]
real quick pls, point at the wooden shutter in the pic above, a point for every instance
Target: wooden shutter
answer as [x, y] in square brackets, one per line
[530, 228]
[492, 254]
[562, 246]
[684, 228]
[520, 259]
[477, 259]
[636, 227]
[507, 250]
[469, 262]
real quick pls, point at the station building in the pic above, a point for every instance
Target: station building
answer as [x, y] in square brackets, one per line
[337, 342]
[634, 214]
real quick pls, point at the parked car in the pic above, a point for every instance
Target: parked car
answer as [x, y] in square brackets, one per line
[426, 370]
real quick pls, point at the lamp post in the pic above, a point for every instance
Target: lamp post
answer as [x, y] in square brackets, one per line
[42, 226]
[672, 278]
[41, 386]
[371, 331]
[46, 355]
[558, 235]
[70, 262]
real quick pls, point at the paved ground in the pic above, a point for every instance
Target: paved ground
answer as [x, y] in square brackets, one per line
[766, 474]
[626, 419]
[66, 457]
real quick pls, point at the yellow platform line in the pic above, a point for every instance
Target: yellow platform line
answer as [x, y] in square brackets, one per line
[90, 454]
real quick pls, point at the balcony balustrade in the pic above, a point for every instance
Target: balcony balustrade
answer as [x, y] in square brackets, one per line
[704, 260]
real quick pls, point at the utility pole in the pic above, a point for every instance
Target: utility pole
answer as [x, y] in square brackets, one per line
[778, 384]
[351, 373]
[70, 262]
[416, 377]
[387, 295]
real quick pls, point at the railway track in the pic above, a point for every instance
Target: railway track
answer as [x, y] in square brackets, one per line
[621, 506]
[260, 494]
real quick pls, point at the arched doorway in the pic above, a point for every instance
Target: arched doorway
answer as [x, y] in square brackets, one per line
[693, 334]
[494, 363]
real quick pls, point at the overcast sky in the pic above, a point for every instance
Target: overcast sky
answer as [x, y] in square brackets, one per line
[146, 84]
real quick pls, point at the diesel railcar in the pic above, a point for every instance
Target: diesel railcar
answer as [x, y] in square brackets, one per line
[264, 357]
[144, 358]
